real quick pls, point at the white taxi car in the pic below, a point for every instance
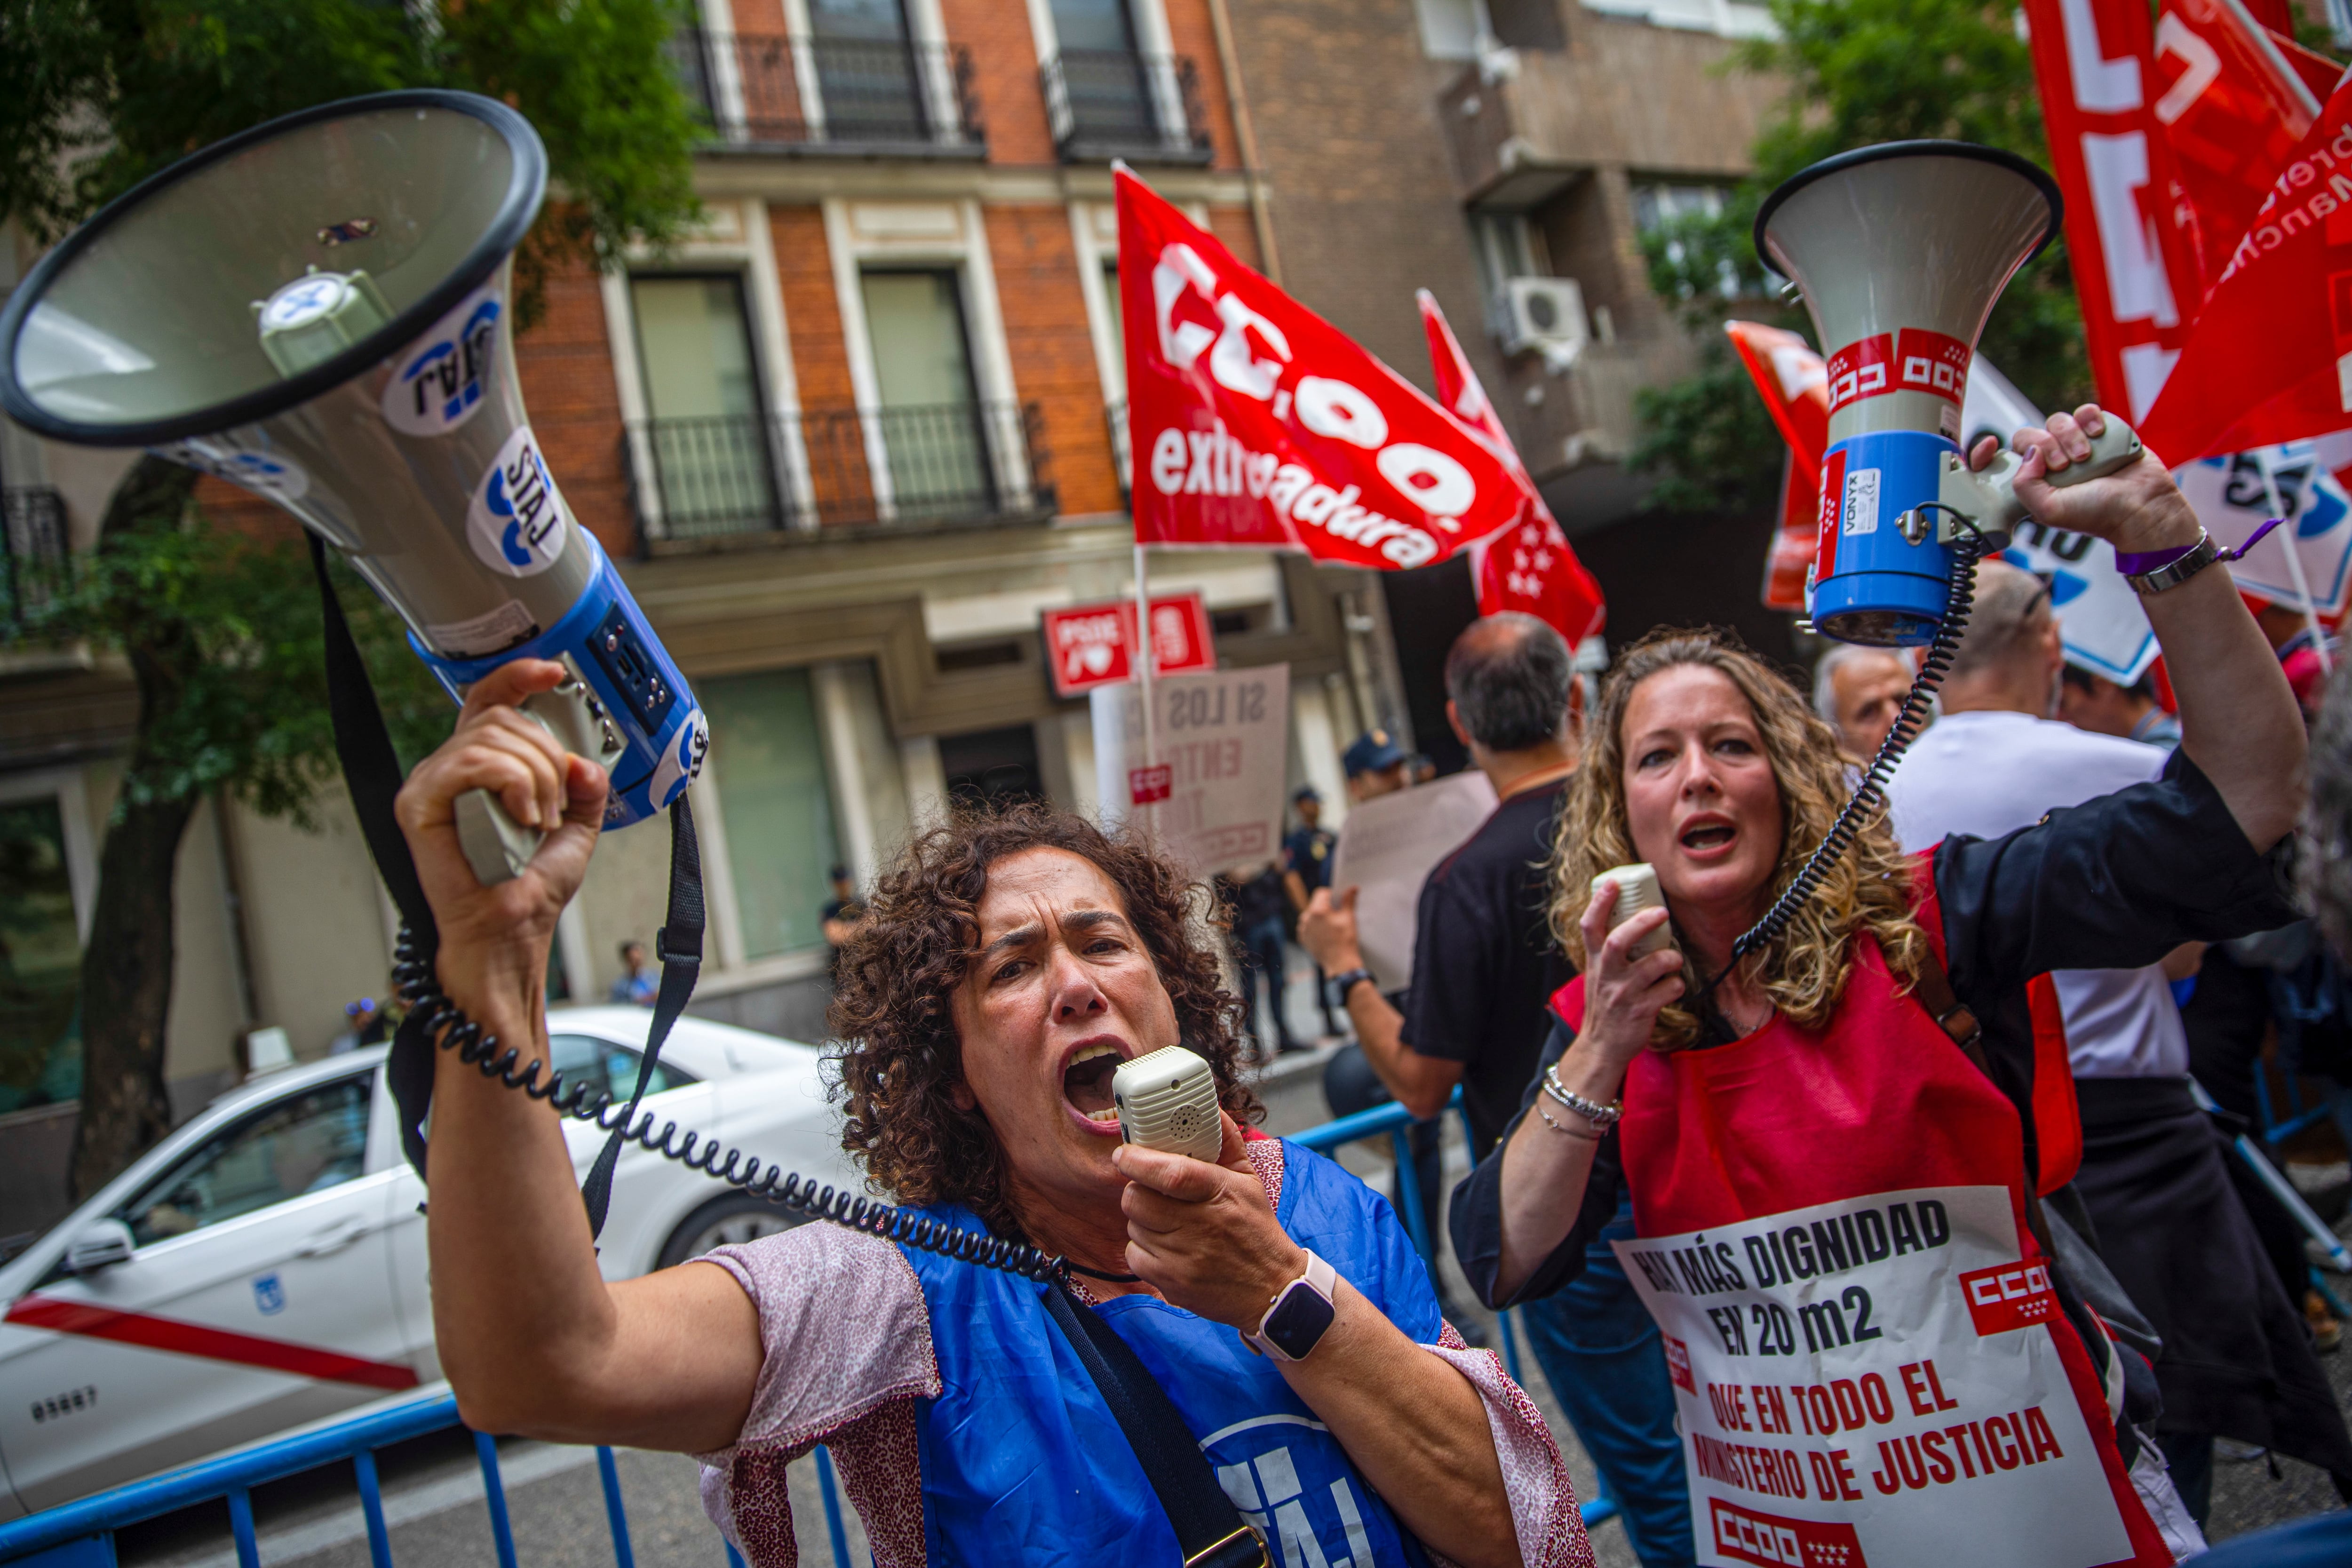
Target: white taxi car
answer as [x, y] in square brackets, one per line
[264, 1267]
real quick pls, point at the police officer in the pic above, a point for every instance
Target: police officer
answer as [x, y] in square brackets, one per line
[1307, 865]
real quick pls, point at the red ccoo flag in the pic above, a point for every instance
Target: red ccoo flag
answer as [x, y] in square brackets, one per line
[1794, 383]
[2270, 360]
[2232, 109]
[1528, 567]
[1255, 422]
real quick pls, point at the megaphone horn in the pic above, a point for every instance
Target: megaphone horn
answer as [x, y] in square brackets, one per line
[318, 310]
[1900, 251]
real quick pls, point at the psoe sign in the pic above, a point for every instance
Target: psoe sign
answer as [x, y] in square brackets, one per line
[1093, 645]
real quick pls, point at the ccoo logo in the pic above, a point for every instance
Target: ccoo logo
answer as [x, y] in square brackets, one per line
[516, 523]
[442, 381]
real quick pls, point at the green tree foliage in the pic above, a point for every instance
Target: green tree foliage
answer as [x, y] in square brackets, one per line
[221, 627]
[96, 95]
[1860, 71]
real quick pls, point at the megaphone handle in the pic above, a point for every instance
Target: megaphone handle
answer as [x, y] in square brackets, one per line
[497, 847]
[2116, 447]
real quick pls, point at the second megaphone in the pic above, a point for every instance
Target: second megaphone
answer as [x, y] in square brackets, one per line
[1901, 250]
[318, 310]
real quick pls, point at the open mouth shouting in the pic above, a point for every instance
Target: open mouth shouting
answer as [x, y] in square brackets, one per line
[1707, 835]
[1086, 1073]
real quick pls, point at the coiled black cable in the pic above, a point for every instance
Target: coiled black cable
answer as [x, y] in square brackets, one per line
[1870, 796]
[414, 975]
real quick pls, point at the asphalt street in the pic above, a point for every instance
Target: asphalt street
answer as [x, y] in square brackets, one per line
[438, 1515]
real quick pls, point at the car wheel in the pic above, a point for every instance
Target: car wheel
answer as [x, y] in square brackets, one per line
[736, 1218]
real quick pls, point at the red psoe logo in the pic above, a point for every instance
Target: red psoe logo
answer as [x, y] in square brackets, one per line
[1769, 1541]
[2010, 1296]
[1146, 786]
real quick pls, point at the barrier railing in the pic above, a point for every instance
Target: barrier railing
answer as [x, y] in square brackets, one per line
[80, 1534]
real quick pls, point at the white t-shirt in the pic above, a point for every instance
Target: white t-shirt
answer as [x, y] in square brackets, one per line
[1989, 774]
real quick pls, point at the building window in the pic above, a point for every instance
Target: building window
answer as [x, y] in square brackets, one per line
[1452, 29]
[1657, 205]
[1507, 247]
[1117, 325]
[930, 413]
[1661, 206]
[766, 761]
[40, 958]
[865, 70]
[709, 445]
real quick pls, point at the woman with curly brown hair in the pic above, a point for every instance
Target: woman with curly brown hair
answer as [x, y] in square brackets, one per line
[1834, 1171]
[1007, 965]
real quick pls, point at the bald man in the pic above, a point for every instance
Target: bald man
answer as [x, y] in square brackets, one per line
[1860, 690]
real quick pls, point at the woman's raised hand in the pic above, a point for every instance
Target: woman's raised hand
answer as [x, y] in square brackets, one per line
[2136, 507]
[499, 935]
[1623, 994]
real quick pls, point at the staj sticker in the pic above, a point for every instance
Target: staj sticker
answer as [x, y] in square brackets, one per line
[444, 379]
[516, 521]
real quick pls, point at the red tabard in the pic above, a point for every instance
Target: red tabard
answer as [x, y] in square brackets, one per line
[1868, 1361]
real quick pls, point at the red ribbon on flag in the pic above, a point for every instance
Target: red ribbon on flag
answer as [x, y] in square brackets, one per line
[1255, 422]
[1531, 568]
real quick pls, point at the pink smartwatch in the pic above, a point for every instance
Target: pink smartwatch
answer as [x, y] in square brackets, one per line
[1301, 1311]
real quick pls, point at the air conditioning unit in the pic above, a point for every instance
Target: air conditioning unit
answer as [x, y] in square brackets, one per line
[1546, 314]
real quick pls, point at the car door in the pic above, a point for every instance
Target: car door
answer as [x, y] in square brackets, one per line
[253, 1301]
[648, 1191]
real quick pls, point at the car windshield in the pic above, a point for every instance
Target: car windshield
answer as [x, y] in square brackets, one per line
[304, 1143]
[585, 1059]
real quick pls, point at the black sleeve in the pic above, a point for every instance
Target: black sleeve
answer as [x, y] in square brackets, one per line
[2113, 883]
[1453, 961]
[1475, 1217]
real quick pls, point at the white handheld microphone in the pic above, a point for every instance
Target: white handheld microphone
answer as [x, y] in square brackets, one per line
[1637, 890]
[1167, 1100]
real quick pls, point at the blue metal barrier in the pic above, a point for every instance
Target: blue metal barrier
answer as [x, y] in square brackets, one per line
[80, 1534]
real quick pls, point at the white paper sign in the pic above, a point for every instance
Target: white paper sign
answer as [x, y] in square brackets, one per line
[1224, 739]
[1876, 1382]
[1388, 847]
[2232, 502]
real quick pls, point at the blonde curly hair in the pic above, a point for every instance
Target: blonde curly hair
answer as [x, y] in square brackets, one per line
[1805, 970]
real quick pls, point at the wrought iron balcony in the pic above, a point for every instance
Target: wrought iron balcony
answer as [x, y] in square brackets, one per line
[36, 549]
[852, 96]
[1110, 103]
[708, 482]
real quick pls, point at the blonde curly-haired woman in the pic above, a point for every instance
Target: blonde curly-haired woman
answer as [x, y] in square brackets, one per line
[1834, 1171]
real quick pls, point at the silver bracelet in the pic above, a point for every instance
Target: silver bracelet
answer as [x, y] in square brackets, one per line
[1593, 1134]
[1603, 1117]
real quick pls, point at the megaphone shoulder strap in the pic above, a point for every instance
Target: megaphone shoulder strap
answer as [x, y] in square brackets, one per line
[1209, 1529]
[372, 773]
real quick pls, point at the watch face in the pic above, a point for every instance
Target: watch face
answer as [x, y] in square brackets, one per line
[1298, 1320]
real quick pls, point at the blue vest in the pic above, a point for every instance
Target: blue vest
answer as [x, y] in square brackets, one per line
[1023, 1463]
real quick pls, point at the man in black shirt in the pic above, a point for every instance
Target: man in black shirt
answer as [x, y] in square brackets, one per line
[1484, 966]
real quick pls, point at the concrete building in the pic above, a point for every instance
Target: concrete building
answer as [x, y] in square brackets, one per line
[1507, 155]
[847, 441]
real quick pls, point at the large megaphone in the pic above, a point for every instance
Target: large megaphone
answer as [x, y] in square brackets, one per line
[1900, 251]
[316, 310]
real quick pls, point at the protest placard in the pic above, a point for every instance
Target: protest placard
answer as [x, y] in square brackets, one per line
[1213, 791]
[1387, 847]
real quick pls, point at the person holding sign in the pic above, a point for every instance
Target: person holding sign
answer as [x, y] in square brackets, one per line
[1832, 1146]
